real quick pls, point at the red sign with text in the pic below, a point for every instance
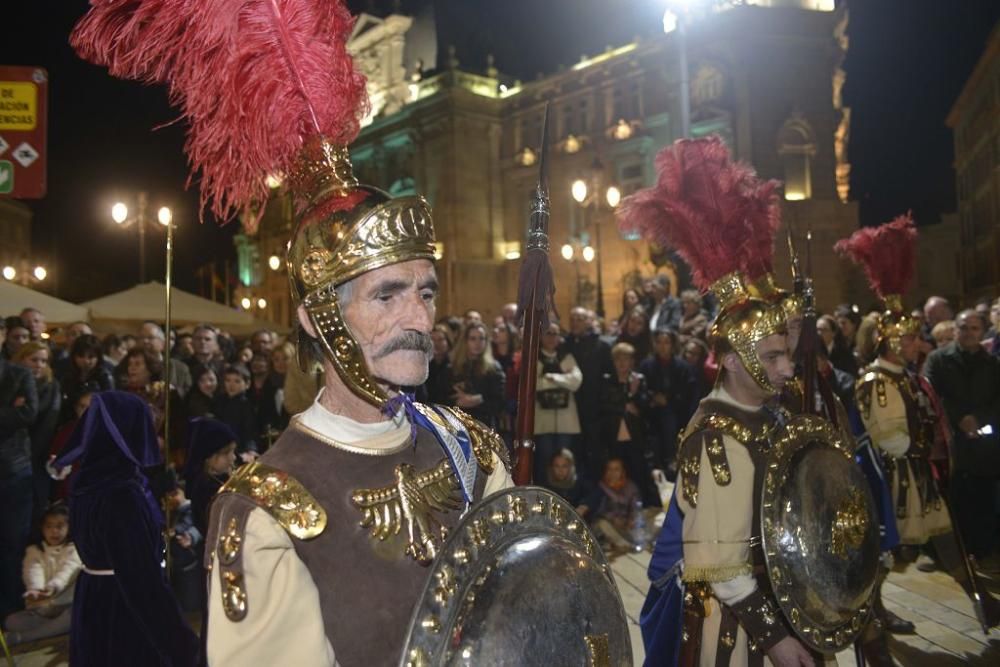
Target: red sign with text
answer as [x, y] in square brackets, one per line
[24, 93]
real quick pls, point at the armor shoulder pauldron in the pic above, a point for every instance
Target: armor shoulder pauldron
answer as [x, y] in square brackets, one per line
[280, 495]
[485, 441]
[709, 434]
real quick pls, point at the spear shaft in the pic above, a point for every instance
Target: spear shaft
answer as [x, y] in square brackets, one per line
[535, 291]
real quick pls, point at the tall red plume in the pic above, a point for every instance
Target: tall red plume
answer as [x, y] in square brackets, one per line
[887, 253]
[253, 79]
[717, 214]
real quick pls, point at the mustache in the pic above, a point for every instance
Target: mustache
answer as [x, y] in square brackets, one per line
[411, 340]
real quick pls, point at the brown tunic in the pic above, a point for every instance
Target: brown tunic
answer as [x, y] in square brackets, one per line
[367, 589]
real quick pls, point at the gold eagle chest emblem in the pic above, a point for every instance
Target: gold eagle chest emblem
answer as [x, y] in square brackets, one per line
[412, 500]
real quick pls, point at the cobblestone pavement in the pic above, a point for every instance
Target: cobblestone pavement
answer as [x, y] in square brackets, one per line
[948, 634]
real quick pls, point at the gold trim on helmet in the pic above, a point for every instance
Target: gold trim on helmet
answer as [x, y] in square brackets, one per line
[893, 324]
[743, 321]
[766, 288]
[346, 230]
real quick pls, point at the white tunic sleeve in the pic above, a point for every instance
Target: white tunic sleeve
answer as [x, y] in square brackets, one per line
[284, 624]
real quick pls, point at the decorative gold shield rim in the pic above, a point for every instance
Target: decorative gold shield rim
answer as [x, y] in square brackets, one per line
[498, 520]
[800, 431]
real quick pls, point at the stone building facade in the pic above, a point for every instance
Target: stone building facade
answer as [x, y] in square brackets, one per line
[765, 75]
[975, 122]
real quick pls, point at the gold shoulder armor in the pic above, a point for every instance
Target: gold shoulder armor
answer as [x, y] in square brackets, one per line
[485, 441]
[280, 495]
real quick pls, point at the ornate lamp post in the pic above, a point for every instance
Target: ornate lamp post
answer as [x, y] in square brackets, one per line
[594, 197]
[120, 214]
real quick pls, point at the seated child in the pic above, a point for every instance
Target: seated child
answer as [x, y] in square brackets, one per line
[50, 571]
[614, 509]
[563, 481]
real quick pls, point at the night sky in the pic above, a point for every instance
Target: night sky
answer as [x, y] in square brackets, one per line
[907, 62]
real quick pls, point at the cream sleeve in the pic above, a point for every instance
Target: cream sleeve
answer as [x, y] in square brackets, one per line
[284, 623]
[887, 423]
[500, 479]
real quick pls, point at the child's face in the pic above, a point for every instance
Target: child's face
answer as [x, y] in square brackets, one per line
[85, 362]
[222, 462]
[55, 530]
[208, 383]
[561, 468]
[614, 472]
[235, 384]
[174, 499]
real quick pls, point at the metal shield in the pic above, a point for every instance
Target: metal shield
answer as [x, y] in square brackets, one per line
[820, 534]
[520, 581]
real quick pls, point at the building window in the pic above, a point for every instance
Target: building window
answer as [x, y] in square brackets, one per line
[797, 147]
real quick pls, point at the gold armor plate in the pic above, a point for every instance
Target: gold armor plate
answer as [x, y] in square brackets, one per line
[280, 495]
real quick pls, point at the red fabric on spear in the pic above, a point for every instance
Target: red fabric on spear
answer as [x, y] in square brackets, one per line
[887, 253]
[715, 212]
[253, 79]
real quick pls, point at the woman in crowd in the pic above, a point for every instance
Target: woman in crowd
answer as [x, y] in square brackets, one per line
[636, 334]
[281, 356]
[630, 301]
[85, 374]
[50, 571]
[35, 356]
[437, 388]
[624, 400]
[694, 322]
[837, 349]
[17, 335]
[477, 379]
[507, 352]
[848, 318]
[557, 424]
[123, 610]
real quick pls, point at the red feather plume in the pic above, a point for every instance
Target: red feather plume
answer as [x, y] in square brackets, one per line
[253, 79]
[717, 214]
[887, 253]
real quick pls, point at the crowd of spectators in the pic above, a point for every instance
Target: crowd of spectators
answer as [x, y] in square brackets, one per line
[612, 397]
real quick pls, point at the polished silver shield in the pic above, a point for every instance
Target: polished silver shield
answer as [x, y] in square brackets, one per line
[820, 534]
[520, 581]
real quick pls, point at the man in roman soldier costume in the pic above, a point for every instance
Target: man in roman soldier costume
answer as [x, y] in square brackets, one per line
[316, 551]
[900, 412]
[704, 205]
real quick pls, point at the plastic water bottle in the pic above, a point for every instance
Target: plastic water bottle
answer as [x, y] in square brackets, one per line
[639, 536]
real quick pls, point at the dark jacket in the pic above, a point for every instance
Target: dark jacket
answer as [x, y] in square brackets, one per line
[615, 396]
[18, 408]
[490, 386]
[593, 356]
[968, 383]
[73, 387]
[675, 380]
[237, 413]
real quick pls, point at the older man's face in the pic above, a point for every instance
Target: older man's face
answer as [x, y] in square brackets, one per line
[262, 342]
[391, 313]
[151, 339]
[579, 321]
[34, 321]
[969, 331]
[75, 331]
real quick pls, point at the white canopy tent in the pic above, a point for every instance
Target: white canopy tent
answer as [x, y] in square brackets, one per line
[14, 298]
[123, 311]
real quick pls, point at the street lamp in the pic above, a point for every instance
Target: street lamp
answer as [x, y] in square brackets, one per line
[593, 196]
[274, 262]
[24, 273]
[120, 215]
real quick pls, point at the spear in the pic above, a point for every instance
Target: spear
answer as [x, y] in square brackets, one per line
[535, 291]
